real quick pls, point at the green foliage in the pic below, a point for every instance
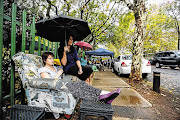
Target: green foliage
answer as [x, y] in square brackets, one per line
[173, 10]
[160, 33]
[111, 25]
[123, 34]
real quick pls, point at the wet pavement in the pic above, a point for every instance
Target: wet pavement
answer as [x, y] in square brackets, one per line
[129, 104]
[169, 78]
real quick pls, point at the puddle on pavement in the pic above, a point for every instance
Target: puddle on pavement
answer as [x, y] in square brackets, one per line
[131, 98]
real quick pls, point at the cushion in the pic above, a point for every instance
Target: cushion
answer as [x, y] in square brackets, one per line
[29, 63]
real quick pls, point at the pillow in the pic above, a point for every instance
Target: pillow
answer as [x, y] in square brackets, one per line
[29, 63]
[47, 83]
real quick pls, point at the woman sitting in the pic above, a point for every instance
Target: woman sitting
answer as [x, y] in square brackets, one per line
[71, 63]
[78, 89]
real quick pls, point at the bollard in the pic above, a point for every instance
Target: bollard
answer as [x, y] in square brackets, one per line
[156, 82]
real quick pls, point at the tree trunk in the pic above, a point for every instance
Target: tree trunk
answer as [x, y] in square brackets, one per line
[179, 41]
[137, 52]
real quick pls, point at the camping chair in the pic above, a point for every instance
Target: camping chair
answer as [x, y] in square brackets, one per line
[94, 68]
[49, 93]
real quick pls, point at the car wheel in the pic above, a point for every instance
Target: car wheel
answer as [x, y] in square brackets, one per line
[172, 67]
[113, 70]
[119, 73]
[157, 65]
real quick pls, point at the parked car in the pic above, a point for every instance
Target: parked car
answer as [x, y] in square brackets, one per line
[151, 61]
[122, 65]
[167, 58]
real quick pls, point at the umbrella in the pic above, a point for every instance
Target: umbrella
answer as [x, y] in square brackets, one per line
[58, 28]
[100, 52]
[84, 45]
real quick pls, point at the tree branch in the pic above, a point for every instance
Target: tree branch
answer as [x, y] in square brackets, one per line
[176, 22]
[48, 1]
[129, 4]
[106, 19]
[82, 8]
[68, 6]
[102, 31]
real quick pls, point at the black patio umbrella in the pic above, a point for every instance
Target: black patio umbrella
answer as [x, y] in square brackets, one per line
[58, 28]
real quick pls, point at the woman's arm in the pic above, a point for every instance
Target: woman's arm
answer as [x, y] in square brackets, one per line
[46, 75]
[59, 73]
[64, 58]
[79, 66]
[78, 62]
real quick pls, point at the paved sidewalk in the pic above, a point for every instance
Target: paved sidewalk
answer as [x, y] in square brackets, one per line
[129, 104]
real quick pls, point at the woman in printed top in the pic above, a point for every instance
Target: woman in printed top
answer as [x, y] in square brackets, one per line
[71, 63]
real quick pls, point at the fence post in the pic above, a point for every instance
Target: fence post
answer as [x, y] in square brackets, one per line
[39, 45]
[32, 47]
[48, 46]
[55, 51]
[44, 45]
[52, 47]
[1, 50]
[23, 32]
[30, 42]
[13, 49]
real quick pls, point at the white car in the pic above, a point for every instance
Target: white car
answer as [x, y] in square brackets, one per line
[122, 65]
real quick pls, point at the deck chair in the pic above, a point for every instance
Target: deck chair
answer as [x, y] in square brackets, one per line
[49, 93]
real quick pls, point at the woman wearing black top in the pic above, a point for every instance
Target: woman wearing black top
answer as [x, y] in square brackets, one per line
[71, 63]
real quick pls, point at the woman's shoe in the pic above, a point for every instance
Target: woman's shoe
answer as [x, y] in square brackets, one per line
[108, 98]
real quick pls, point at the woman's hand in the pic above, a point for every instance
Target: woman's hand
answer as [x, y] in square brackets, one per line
[60, 71]
[66, 48]
[80, 71]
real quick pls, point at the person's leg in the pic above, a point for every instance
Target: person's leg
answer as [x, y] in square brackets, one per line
[82, 90]
[73, 70]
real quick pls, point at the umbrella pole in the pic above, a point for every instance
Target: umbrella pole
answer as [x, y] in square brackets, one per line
[65, 40]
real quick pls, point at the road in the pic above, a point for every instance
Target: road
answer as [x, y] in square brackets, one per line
[169, 78]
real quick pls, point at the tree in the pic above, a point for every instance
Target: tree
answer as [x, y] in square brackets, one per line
[174, 10]
[138, 8]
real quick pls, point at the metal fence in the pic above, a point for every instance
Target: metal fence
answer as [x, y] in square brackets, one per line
[23, 25]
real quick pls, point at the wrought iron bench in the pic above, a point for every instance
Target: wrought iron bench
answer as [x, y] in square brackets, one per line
[51, 94]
